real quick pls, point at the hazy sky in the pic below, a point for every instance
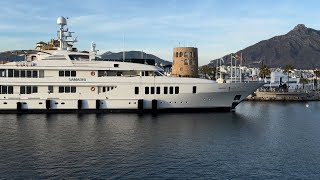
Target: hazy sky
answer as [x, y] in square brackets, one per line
[216, 27]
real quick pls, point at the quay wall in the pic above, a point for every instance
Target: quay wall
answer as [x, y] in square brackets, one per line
[285, 96]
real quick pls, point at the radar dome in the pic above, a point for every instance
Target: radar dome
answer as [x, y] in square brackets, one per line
[61, 21]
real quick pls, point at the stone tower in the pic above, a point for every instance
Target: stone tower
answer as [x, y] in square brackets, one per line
[185, 62]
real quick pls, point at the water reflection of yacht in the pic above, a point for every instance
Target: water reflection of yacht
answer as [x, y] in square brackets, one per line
[63, 80]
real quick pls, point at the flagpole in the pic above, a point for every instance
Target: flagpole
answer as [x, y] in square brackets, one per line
[216, 70]
[231, 67]
[235, 65]
[240, 67]
[220, 68]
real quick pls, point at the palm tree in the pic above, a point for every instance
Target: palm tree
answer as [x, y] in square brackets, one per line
[264, 71]
[287, 69]
[317, 73]
[303, 81]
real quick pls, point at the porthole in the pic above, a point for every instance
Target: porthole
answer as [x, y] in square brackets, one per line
[62, 103]
[24, 103]
[175, 102]
[134, 103]
[129, 102]
[181, 102]
[170, 102]
[5, 103]
[56, 103]
[40, 102]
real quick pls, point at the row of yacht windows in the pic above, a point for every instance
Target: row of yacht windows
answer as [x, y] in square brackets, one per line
[28, 89]
[166, 90]
[34, 89]
[67, 73]
[67, 89]
[6, 89]
[21, 73]
[157, 90]
[108, 88]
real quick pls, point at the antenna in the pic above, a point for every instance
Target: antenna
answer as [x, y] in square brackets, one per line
[124, 52]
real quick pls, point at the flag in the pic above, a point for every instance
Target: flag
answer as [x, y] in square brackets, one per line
[235, 56]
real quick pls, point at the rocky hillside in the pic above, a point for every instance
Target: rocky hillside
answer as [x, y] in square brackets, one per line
[300, 47]
[133, 55]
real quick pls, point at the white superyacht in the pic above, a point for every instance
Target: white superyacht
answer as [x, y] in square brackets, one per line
[63, 80]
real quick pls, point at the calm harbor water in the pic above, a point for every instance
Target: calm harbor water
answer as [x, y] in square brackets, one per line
[261, 140]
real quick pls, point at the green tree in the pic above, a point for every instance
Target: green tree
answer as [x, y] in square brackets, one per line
[207, 70]
[264, 71]
[317, 73]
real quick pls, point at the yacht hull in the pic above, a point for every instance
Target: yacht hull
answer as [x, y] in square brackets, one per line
[217, 97]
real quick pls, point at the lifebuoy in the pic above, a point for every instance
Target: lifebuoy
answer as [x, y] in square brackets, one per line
[93, 88]
[93, 73]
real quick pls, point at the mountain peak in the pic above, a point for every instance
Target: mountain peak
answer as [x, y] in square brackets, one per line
[300, 27]
[300, 47]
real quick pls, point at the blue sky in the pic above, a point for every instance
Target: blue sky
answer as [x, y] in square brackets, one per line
[216, 27]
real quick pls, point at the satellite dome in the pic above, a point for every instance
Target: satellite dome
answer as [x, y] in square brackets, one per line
[61, 21]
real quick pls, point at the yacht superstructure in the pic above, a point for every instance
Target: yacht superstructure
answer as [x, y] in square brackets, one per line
[63, 80]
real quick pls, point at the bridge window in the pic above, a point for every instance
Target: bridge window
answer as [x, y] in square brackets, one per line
[10, 72]
[3, 73]
[136, 90]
